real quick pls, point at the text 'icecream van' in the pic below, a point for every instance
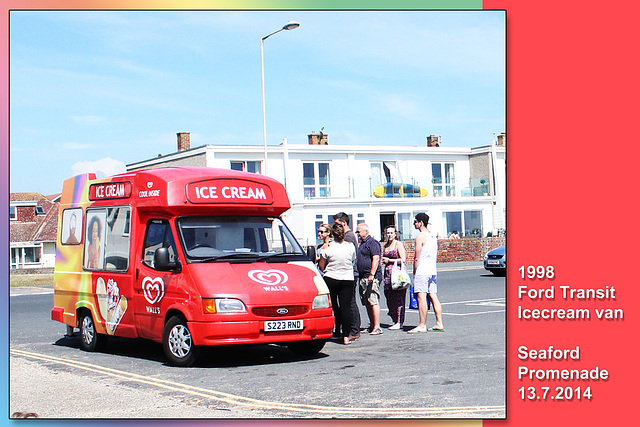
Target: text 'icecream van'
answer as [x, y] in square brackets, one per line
[187, 257]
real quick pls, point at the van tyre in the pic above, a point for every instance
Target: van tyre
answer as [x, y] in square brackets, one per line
[178, 343]
[90, 339]
[306, 348]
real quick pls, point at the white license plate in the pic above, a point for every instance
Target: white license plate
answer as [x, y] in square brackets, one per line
[283, 325]
[493, 262]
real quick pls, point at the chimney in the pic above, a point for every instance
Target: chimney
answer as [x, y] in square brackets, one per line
[318, 138]
[502, 140]
[433, 141]
[184, 141]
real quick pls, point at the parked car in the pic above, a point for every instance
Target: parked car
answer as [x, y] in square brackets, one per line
[496, 261]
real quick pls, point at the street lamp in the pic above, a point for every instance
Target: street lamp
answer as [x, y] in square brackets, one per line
[291, 25]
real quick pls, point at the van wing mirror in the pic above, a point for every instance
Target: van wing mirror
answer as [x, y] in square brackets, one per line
[161, 261]
[311, 253]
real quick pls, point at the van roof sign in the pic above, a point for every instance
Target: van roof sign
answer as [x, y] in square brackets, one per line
[110, 190]
[182, 191]
[222, 190]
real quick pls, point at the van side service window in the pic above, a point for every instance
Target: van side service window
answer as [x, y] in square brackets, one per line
[71, 232]
[158, 235]
[106, 244]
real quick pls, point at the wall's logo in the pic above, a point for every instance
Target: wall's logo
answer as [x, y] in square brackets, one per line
[153, 289]
[269, 277]
[149, 184]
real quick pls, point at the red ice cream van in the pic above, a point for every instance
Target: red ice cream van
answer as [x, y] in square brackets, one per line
[187, 257]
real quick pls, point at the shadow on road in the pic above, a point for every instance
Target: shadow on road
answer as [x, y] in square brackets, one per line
[224, 356]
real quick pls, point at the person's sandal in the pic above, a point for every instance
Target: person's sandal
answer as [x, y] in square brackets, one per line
[376, 331]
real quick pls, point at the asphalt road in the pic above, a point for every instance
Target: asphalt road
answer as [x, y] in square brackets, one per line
[456, 374]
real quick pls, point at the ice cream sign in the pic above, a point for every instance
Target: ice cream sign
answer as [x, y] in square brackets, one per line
[229, 191]
[110, 190]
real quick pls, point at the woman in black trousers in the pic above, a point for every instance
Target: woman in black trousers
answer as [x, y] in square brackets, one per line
[337, 264]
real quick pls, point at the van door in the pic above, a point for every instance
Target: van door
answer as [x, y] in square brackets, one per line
[152, 282]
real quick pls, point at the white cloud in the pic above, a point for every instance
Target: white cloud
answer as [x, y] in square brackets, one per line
[89, 120]
[76, 146]
[102, 168]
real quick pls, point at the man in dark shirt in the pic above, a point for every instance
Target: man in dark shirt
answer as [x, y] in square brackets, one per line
[369, 276]
[343, 219]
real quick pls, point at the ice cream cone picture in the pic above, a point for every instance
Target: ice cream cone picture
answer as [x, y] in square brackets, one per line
[112, 306]
[115, 315]
[101, 293]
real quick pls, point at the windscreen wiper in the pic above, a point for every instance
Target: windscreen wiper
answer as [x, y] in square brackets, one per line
[279, 254]
[235, 255]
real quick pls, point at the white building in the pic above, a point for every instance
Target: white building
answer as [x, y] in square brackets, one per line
[466, 186]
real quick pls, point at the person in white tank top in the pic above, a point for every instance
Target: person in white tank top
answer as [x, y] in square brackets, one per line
[425, 275]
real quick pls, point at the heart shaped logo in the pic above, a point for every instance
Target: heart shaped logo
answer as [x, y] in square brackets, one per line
[268, 277]
[153, 289]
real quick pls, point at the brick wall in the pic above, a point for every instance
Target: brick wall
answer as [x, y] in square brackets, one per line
[450, 250]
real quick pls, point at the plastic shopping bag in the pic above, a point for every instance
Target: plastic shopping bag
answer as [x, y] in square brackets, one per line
[413, 301]
[400, 277]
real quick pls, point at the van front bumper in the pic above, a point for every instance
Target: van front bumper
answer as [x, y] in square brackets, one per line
[252, 332]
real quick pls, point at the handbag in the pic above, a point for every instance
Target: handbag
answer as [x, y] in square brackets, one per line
[399, 277]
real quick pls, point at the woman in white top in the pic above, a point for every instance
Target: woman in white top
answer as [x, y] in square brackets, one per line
[337, 264]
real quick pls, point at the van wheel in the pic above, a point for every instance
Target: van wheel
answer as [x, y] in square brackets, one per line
[306, 348]
[90, 340]
[177, 343]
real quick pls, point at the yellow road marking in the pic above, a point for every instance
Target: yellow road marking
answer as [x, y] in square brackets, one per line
[256, 403]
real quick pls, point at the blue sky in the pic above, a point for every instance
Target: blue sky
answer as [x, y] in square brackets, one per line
[93, 91]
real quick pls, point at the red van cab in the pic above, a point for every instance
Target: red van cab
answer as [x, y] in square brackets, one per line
[187, 257]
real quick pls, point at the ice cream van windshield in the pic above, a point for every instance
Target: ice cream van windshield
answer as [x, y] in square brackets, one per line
[237, 239]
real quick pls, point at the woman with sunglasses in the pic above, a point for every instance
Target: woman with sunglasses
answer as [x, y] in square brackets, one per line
[337, 263]
[324, 236]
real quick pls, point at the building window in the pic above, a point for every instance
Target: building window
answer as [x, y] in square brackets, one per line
[23, 256]
[473, 223]
[443, 179]
[316, 180]
[405, 225]
[467, 223]
[40, 210]
[13, 213]
[31, 255]
[384, 173]
[248, 166]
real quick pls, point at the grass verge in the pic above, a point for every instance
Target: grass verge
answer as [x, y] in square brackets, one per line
[31, 280]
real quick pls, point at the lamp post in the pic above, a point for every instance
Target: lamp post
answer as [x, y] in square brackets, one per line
[291, 25]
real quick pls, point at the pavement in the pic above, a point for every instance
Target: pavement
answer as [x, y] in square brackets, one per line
[31, 382]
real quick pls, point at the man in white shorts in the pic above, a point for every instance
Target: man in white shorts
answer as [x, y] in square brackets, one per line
[425, 275]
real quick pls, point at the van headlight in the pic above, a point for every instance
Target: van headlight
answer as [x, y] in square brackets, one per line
[321, 301]
[223, 305]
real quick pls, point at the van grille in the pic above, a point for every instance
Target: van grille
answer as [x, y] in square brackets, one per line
[292, 310]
